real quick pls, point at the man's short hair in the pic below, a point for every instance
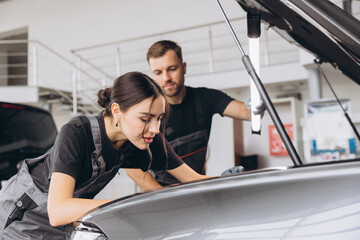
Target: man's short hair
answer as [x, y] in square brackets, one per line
[159, 49]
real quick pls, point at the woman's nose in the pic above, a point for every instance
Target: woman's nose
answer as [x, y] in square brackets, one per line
[154, 127]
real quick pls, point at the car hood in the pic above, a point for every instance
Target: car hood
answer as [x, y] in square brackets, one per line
[302, 203]
[321, 27]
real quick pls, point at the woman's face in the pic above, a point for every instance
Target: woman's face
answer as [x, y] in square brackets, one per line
[133, 121]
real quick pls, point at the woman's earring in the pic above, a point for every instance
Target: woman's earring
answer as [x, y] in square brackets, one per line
[117, 124]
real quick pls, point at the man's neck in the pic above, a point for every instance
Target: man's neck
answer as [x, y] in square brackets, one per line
[178, 98]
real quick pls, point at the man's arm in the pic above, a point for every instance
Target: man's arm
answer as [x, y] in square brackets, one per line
[238, 110]
[148, 183]
[184, 173]
[143, 179]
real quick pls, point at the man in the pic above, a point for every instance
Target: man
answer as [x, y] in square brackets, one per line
[192, 109]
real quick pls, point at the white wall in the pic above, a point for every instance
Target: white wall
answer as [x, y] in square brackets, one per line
[221, 146]
[68, 24]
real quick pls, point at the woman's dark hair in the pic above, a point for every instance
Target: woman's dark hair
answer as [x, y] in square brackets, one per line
[129, 90]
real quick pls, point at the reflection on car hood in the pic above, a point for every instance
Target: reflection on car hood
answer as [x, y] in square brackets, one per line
[309, 202]
[318, 26]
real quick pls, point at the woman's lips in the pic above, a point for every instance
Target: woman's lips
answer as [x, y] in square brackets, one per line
[148, 140]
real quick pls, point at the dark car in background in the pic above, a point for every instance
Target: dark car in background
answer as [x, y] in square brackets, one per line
[25, 132]
[308, 201]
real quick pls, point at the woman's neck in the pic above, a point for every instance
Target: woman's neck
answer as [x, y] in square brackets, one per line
[114, 133]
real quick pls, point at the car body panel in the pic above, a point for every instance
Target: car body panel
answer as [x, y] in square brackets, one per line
[314, 202]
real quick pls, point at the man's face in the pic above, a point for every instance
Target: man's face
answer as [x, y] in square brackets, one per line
[168, 71]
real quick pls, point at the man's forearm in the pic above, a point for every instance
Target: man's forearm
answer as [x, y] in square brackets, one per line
[238, 110]
[143, 179]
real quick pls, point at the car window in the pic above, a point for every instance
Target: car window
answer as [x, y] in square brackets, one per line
[25, 132]
[27, 127]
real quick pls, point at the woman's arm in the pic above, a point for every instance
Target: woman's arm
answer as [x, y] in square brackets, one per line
[143, 179]
[62, 207]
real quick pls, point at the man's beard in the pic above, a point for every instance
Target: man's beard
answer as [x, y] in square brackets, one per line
[174, 92]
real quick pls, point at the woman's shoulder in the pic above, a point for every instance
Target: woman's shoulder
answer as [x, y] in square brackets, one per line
[78, 124]
[79, 120]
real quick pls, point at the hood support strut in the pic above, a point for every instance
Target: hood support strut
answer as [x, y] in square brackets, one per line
[265, 97]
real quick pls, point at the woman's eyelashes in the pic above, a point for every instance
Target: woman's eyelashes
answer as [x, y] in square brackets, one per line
[145, 120]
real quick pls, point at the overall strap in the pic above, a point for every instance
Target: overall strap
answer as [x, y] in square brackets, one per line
[95, 130]
[96, 182]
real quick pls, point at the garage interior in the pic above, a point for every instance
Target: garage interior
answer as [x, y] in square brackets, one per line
[55, 55]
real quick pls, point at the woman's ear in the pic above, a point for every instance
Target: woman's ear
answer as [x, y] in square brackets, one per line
[115, 110]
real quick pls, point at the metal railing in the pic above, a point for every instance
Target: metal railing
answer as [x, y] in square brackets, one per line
[32, 63]
[206, 48]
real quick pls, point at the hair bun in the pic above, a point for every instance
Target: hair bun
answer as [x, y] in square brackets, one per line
[104, 97]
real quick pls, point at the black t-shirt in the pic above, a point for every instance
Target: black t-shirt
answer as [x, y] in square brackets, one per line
[71, 154]
[188, 128]
[184, 117]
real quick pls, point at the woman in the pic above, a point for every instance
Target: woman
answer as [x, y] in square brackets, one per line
[52, 191]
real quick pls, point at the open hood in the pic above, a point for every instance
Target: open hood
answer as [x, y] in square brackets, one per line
[321, 27]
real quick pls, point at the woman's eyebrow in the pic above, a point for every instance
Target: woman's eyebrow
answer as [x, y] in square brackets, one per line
[147, 114]
[150, 114]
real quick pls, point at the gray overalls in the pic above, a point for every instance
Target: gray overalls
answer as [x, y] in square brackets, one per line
[23, 207]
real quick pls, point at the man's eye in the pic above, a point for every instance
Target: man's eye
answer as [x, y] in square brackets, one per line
[157, 73]
[144, 119]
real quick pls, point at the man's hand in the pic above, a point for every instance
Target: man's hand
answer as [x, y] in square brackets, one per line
[233, 170]
[260, 109]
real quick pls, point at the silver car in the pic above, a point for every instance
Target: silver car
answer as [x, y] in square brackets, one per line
[306, 201]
